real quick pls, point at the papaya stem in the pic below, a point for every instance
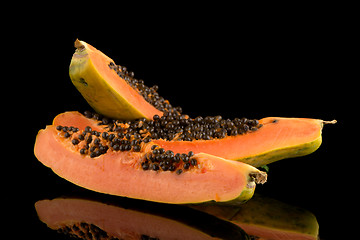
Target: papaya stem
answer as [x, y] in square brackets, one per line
[259, 177]
[79, 46]
[329, 122]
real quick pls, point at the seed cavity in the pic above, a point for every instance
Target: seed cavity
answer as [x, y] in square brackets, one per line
[94, 144]
[150, 94]
[173, 126]
[133, 136]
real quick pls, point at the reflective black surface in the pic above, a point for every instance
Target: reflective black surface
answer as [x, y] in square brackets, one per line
[122, 218]
[206, 72]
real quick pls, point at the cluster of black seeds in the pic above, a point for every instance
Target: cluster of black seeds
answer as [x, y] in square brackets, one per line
[168, 160]
[180, 127]
[121, 135]
[174, 125]
[95, 143]
[84, 230]
[150, 94]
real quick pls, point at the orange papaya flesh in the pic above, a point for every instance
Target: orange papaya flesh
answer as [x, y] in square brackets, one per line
[267, 218]
[143, 172]
[107, 89]
[82, 217]
[275, 138]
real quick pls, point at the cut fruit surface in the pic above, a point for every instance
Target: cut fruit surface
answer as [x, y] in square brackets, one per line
[278, 138]
[133, 174]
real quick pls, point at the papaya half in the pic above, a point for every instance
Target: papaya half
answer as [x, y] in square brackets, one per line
[276, 139]
[126, 165]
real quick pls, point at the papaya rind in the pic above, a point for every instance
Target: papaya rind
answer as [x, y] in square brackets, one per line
[282, 153]
[245, 196]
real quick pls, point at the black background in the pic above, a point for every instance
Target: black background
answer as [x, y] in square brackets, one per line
[210, 66]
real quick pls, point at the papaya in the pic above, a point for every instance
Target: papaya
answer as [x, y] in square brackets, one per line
[267, 218]
[107, 88]
[265, 141]
[94, 219]
[127, 164]
[115, 93]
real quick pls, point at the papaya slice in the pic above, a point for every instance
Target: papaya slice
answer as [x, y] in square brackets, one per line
[125, 166]
[86, 218]
[92, 73]
[277, 138]
[267, 218]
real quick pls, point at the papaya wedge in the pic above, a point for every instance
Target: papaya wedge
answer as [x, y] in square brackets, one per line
[98, 162]
[101, 86]
[277, 139]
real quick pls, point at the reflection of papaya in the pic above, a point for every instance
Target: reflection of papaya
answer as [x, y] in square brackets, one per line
[268, 219]
[90, 219]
